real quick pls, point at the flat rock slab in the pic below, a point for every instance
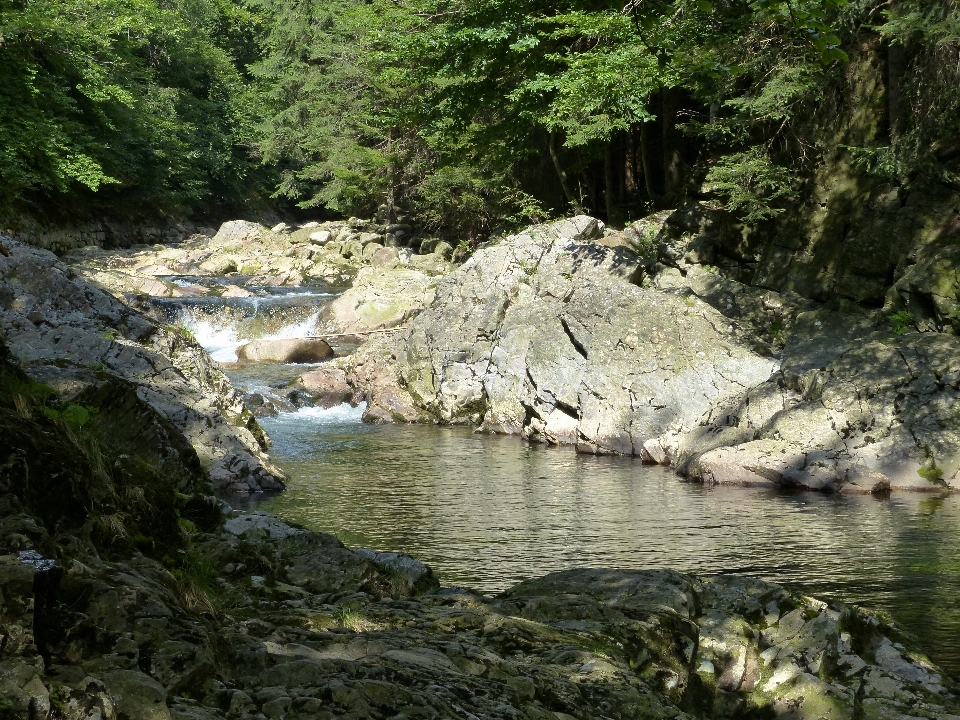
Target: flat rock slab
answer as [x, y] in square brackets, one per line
[854, 408]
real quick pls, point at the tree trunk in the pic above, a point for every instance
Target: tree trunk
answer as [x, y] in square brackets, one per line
[672, 141]
[560, 172]
[621, 168]
[896, 69]
[609, 182]
[391, 191]
[633, 170]
[646, 156]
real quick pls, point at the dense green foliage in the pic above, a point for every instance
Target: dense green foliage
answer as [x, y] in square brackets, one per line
[123, 104]
[469, 113]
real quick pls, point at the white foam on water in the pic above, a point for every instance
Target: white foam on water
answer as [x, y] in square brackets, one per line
[222, 340]
[340, 415]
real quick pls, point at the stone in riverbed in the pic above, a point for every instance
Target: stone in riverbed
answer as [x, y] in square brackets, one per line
[386, 257]
[329, 387]
[261, 523]
[238, 231]
[234, 291]
[293, 350]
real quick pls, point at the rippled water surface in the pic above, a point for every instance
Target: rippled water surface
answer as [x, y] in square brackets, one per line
[487, 512]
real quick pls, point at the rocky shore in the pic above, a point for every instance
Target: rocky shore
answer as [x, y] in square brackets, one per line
[570, 334]
[625, 342]
[249, 253]
[72, 336]
[135, 598]
[129, 591]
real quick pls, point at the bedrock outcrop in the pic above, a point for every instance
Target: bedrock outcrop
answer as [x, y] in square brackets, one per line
[380, 298]
[73, 336]
[852, 407]
[566, 334]
[544, 335]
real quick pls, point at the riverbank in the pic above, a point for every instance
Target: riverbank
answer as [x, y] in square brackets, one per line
[570, 334]
[257, 619]
[128, 593]
[620, 342]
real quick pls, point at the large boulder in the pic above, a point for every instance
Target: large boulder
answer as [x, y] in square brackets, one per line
[291, 350]
[239, 232]
[380, 298]
[369, 376]
[854, 408]
[65, 331]
[544, 334]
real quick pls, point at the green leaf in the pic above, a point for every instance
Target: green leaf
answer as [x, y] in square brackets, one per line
[75, 415]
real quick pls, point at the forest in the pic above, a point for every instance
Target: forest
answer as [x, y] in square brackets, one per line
[473, 115]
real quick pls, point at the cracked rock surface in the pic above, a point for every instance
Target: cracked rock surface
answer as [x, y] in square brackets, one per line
[547, 335]
[126, 594]
[852, 408]
[543, 335]
[66, 332]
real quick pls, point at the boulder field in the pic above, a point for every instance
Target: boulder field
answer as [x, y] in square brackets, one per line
[243, 252]
[568, 334]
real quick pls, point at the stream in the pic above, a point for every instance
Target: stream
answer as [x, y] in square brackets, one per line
[487, 512]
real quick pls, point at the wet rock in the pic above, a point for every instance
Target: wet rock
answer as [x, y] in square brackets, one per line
[296, 350]
[261, 523]
[328, 386]
[232, 291]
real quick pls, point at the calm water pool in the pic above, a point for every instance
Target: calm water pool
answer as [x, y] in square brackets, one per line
[486, 512]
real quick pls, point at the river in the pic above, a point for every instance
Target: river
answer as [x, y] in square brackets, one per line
[486, 512]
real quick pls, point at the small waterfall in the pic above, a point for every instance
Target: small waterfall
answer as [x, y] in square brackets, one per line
[343, 414]
[221, 336]
[221, 325]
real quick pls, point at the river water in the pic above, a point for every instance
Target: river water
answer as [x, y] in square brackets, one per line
[487, 512]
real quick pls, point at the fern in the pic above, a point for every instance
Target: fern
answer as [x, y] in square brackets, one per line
[750, 184]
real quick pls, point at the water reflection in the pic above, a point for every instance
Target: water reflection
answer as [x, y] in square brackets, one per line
[487, 512]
